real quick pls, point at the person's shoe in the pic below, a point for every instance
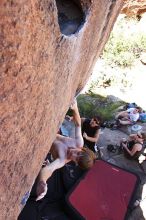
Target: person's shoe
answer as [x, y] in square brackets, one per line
[115, 127]
[120, 149]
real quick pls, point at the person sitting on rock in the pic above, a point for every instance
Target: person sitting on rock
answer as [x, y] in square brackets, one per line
[133, 146]
[63, 150]
[128, 117]
[91, 131]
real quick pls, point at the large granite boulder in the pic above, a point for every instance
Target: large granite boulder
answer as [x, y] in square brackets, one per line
[134, 8]
[48, 49]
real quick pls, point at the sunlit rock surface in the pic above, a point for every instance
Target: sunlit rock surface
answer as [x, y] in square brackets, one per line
[46, 57]
[134, 7]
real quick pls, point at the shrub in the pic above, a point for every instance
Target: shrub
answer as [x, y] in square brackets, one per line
[124, 45]
[90, 106]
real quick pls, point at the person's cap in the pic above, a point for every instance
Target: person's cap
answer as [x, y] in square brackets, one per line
[136, 127]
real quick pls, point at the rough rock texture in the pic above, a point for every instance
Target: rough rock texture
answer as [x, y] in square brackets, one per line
[41, 70]
[134, 7]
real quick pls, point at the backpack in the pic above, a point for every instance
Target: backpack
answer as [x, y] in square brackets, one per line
[108, 124]
[130, 105]
[142, 117]
[111, 148]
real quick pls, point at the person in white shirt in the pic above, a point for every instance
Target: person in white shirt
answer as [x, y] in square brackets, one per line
[128, 117]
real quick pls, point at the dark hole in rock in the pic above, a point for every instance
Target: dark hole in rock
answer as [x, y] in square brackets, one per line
[70, 16]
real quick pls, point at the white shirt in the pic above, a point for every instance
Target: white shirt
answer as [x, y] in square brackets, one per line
[133, 116]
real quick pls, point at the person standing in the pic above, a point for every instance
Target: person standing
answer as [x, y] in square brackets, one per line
[91, 131]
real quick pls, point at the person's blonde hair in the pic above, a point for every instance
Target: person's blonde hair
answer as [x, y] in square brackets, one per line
[87, 158]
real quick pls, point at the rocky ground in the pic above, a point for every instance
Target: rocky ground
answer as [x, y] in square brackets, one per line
[108, 136]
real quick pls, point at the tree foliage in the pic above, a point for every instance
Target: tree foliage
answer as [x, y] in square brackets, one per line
[125, 45]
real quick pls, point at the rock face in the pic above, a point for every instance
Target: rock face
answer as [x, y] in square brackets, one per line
[134, 7]
[41, 71]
